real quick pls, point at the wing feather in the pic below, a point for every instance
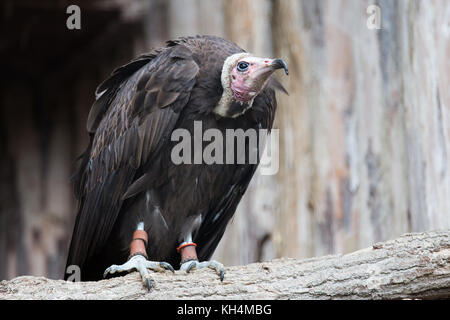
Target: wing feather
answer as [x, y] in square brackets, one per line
[136, 110]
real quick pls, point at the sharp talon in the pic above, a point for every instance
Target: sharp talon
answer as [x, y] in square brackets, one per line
[149, 284]
[167, 266]
[109, 270]
[192, 265]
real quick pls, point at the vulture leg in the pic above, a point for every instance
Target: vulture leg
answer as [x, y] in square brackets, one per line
[138, 259]
[189, 259]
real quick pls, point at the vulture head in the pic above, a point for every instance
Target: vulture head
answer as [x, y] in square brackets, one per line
[243, 77]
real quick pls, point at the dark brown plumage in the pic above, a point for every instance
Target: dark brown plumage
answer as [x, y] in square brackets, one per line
[126, 175]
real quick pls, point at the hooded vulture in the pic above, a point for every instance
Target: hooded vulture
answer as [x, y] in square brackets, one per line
[138, 207]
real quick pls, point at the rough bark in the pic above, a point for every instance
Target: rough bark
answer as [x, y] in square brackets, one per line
[364, 135]
[412, 266]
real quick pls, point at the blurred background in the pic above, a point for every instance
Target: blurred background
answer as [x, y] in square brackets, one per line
[364, 143]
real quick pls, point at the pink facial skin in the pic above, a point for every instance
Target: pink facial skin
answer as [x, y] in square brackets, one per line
[248, 84]
[241, 90]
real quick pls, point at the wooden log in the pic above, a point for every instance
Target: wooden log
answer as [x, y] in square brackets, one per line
[412, 266]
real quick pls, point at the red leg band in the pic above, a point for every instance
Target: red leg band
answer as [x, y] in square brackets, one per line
[187, 251]
[138, 245]
[186, 244]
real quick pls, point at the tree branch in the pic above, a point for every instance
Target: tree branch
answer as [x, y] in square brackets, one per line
[412, 266]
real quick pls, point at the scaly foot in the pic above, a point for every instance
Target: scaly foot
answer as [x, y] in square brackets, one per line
[141, 264]
[195, 264]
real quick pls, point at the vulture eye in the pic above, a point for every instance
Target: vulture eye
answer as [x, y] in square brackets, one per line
[242, 66]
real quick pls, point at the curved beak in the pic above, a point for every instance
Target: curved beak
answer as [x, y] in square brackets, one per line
[279, 64]
[260, 70]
